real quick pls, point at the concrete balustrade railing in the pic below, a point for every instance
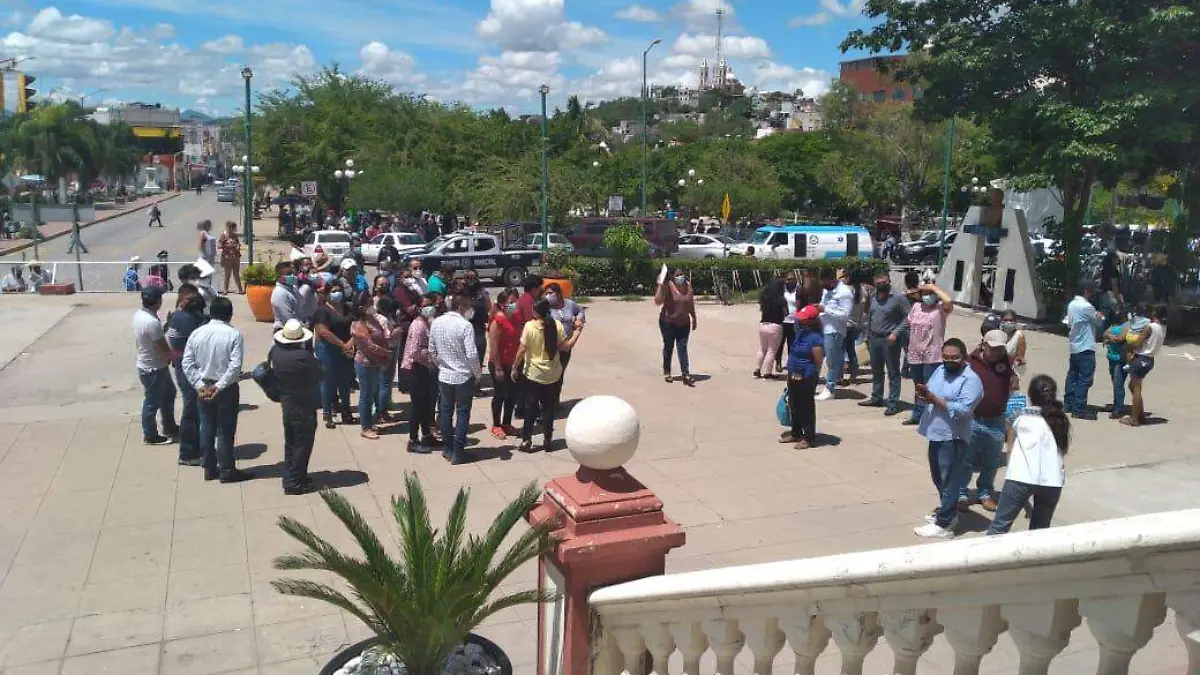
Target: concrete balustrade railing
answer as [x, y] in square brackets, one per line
[1122, 576]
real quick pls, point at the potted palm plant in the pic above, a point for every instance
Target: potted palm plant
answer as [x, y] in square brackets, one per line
[423, 606]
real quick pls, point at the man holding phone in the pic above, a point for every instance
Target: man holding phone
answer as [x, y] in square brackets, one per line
[949, 398]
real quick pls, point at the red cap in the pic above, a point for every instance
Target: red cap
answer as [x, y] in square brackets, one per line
[808, 313]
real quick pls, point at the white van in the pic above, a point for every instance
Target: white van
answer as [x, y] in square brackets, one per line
[812, 242]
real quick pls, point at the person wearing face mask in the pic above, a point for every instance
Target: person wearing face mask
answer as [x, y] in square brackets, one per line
[772, 310]
[542, 341]
[985, 447]
[676, 321]
[837, 304]
[334, 348]
[804, 370]
[15, 281]
[503, 340]
[418, 276]
[372, 354]
[926, 332]
[181, 323]
[791, 291]
[452, 346]
[886, 312]
[482, 303]
[422, 371]
[37, 276]
[191, 274]
[385, 313]
[567, 312]
[949, 398]
[285, 299]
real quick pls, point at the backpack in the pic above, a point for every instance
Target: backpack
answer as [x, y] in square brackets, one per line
[264, 376]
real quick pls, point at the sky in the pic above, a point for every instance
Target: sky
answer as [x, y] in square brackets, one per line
[484, 53]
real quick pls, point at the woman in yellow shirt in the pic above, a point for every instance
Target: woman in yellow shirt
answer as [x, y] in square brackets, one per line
[538, 359]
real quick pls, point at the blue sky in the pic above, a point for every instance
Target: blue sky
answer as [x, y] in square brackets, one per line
[485, 53]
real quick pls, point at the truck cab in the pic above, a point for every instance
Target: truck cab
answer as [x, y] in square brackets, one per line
[469, 250]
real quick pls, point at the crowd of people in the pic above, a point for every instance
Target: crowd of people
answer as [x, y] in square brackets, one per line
[968, 404]
[337, 335]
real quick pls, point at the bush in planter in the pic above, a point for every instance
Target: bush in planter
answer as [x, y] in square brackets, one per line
[258, 274]
[423, 605]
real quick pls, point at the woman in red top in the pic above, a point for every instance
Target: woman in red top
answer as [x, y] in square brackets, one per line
[503, 340]
[231, 256]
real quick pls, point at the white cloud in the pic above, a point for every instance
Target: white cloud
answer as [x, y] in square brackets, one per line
[771, 76]
[394, 67]
[850, 8]
[535, 26]
[509, 79]
[620, 77]
[818, 19]
[638, 13]
[732, 47]
[702, 14]
[52, 24]
[229, 44]
[163, 31]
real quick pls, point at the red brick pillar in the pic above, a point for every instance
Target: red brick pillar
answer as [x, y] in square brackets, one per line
[610, 529]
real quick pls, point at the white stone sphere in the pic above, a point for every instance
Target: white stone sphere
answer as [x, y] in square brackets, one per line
[603, 432]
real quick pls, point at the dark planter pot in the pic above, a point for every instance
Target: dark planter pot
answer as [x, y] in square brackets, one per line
[343, 657]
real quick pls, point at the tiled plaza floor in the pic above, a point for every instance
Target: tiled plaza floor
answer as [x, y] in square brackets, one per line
[115, 559]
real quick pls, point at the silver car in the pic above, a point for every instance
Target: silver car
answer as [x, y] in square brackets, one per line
[704, 246]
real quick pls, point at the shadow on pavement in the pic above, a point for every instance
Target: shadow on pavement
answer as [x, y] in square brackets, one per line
[249, 451]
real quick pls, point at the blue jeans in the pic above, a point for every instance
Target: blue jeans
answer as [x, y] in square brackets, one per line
[158, 396]
[1116, 370]
[218, 426]
[986, 449]
[674, 338]
[885, 356]
[920, 374]
[1013, 499]
[849, 344]
[189, 419]
[1081, 372]
[368, 393]
[338, 372]
[951, 472]
[455, 399]
[835, 359]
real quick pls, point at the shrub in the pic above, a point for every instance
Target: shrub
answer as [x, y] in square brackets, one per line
[599, 276]
[258, 274]
[629, 251]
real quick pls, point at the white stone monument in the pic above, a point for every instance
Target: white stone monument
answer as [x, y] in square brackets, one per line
[962, 270]
[1017, 287]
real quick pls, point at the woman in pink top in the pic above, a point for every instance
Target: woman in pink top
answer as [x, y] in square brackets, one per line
[422, 374]
[676, 321]
[926, 333]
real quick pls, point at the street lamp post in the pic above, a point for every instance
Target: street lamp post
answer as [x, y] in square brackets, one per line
[544, 90]
[645, 130]
[347, 175]
[248, 189]
[946, 188]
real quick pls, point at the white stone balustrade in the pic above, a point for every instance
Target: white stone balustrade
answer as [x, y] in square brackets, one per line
[1119, 577]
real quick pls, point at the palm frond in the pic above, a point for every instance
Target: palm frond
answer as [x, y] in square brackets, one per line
[531, 596]
[316, 591]
[377, 556]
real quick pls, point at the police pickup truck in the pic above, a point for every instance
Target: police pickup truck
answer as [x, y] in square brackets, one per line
[467, 250]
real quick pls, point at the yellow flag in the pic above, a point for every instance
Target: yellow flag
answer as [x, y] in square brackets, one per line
[726, 209]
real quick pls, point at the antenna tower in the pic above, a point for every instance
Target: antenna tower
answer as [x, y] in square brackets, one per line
[720, 25]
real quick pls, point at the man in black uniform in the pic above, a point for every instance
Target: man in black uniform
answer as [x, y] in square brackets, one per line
[299, 375]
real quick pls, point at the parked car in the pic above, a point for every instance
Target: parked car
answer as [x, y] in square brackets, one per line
[588, 236]
[556, 241]
[813, 242]
[333, 243]
[469, 250]
[226, 193]
[704, 246]
[405, 242]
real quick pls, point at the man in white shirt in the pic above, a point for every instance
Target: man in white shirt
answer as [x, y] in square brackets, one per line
[212, 362]
[152, 361]
[285, 300]
[837, 302]
[452, 347]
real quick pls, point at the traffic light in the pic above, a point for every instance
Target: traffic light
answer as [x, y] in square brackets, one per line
[24, 93]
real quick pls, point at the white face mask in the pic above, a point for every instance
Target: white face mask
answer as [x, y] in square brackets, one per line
[428, 311]
[469, 314]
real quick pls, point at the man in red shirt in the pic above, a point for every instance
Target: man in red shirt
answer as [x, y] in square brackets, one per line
[533, 293]
[991, 363]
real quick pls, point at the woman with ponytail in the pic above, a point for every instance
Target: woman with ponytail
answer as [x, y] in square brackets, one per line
[1038, 440]
[539, 359]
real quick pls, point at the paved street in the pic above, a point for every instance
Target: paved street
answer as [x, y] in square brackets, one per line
[115, 559]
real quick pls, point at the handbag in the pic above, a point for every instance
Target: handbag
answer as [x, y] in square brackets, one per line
[783, 409]
[264, 376]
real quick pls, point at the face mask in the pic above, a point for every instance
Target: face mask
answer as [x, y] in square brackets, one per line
[382, 290]
[336, 297]
[883, 289]
[289, 280]
[929, 300]
[510, 307]
[952, 366]
[791, 285]
[418, 273]
[680, 280]
[1008, 326]
[470, 314]
[552, 298]
[428, 311]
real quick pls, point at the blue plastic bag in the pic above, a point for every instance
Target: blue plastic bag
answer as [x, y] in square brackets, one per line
[783, 410]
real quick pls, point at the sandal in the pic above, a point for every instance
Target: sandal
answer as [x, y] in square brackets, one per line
[525, 446]
[667, 379]
[787, 437]
[801, 444]
[499, 434]
[1128, 421]
[370, 435]
[687, 379]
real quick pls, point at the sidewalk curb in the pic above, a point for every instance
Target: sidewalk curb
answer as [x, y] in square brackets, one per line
[82, 226]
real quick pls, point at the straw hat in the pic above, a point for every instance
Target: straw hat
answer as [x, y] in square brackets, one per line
[293, 332]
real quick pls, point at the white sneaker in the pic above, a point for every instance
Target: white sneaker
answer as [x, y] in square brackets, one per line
[931, 517]
[825, 395]
[932, 531]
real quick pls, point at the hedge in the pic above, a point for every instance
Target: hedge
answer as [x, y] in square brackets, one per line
[598, 276]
